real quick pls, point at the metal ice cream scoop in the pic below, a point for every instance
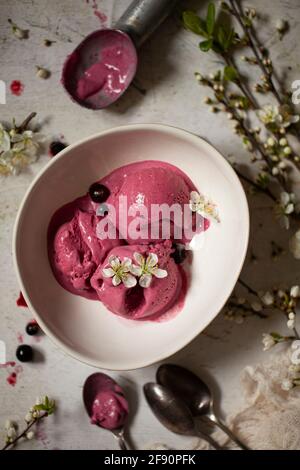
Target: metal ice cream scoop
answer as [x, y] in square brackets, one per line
[104, 64]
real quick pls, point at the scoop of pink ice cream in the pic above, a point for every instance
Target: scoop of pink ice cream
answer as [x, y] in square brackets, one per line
[109, 409]
[151, 186]
[140, 302]
[77, 252]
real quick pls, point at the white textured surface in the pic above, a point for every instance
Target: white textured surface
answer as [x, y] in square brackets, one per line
[167, 64]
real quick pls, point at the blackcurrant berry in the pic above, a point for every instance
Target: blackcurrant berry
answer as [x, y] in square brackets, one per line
[32, 328]
[56, 147]
[179, 255]
[98, 192]
[24, 353]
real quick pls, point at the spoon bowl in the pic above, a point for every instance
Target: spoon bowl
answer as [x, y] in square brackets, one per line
[173, 413]
[169, 410]
[195, 394]
[100, 69]
[188, 386]
[106, 405]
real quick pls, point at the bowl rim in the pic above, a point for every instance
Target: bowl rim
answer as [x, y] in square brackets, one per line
[176, 131]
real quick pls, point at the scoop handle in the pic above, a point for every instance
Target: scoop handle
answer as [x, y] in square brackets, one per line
[142, 17]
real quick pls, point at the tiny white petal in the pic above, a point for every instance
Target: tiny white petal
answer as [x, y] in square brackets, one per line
[114, 261]
[136, 270]
[138, 258]
[108, 272]
[30, 435]
[129, 280]
[286, 385]
[126, 263]
[295, 291]
[284, 198]
[145, 280]
[152, 260]
[160, 273]
[116, 280]
[9, 424]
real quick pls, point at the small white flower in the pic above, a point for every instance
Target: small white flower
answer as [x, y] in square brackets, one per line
[256, 306]
[28, 417]
[11, 433]
[119, 271]
[30, 435]
[287, 385]
[281, 25]
[295, 245]
[268, 298]
[283, 142]
[277, 116]
[292, 315]
[295, 291]
[268, 341]
[291, 322]
[8, 424]
[4, 140]
[146, 268]
[285, 208]
[271, 142]
[203, 206]
[28, 142]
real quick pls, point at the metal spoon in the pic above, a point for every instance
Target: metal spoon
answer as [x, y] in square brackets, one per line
[173, 413]
[96, 383]
[138, 22]
[195, 394]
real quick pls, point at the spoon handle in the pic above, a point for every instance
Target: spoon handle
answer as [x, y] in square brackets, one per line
[209, 439]
[142, 17]
[122, 443]
[229, 433]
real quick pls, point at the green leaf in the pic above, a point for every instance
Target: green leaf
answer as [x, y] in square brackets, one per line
[205, 46]
[40, 407]
[229, 40]
[210, 18]
[193, 23]
[222, 37]
[230, 73]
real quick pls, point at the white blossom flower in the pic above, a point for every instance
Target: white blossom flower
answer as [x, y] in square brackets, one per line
[285, 208]
[277, 115]
[11, 432]
[30, 435]
[295, 291]
[4, 140]
[256, 306]
[295, 245]
[281, 25]
[28, 417]
[268, 341]
[267, 298]
[291, 320]
[119, 271]
[146, 268]
[287, 385]
[203, 206]
[9, 424]
[28, 142]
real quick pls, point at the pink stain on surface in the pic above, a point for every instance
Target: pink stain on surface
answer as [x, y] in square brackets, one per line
[21, 302]
[12, 374]
[7, 364]
[100, 15]
[16, 87]
[20, 338]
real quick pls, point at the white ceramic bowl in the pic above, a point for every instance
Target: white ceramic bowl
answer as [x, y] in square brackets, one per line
[84, 328]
